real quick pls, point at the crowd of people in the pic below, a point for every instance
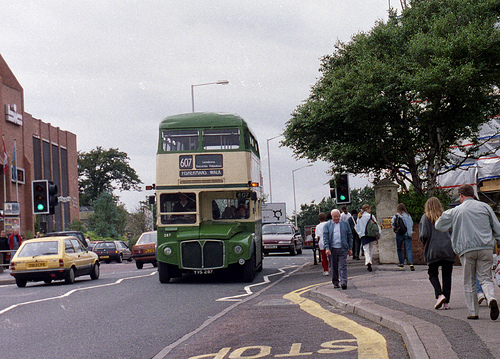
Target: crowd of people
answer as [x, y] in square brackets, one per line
[467, 231]
[9, 242]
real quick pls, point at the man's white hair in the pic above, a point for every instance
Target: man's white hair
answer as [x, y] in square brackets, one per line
[335, 210]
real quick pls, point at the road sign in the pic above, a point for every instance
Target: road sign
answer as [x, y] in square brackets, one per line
[274, 212]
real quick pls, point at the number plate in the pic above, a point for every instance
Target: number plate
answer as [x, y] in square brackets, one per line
[206, 271]
[270, 247]
[103, 256]
[37, 265]
[151, 250]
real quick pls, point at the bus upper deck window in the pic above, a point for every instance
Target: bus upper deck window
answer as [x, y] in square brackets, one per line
[221, 139]
[180, 140]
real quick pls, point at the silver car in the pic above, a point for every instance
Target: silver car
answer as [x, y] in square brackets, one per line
[281, 238]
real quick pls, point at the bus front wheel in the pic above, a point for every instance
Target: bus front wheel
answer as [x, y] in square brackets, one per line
[163, 272]
[248, 269]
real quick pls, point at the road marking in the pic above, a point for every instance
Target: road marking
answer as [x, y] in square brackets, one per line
[235, 298]
[67, 294]
[370, 343]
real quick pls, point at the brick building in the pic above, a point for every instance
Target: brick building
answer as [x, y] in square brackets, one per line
[42, 152]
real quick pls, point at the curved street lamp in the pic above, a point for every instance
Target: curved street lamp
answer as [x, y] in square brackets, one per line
[221, 82]
[293, 181]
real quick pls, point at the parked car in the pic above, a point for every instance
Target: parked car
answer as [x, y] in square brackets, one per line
[92, 245]
[144, 250]
[281, 238]
[112, 250]
[53, 258]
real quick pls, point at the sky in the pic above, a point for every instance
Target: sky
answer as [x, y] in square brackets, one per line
[111, 70]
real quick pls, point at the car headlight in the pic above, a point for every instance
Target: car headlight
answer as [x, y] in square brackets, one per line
[238, 249]
[167, 251]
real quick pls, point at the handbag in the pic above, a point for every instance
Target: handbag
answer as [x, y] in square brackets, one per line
[371, 231]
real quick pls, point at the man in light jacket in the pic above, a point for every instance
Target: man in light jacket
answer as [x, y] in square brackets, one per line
[337, 237]
[474, 226]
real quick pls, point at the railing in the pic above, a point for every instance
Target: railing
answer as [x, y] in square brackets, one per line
[2, 264]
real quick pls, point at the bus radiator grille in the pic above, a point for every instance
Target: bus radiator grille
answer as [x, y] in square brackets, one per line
[202, 255]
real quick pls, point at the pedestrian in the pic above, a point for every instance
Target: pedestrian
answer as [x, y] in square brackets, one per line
[4, 246]
[344, 215]
[403, 235]
[321, 243]
[356, 241]
[337, 237]
[15, 240]
[437, 252]
[474, 226]
[368, 238]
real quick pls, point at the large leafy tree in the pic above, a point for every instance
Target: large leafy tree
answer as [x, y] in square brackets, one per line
[109, 218]
[395, 100]
[101, 171]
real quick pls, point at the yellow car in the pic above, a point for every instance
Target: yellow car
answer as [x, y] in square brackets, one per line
[53, 258]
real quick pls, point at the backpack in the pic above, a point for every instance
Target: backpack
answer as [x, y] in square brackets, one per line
[371, 229]
[399, 226]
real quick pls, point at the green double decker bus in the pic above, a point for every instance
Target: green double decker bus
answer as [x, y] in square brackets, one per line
[208, 195]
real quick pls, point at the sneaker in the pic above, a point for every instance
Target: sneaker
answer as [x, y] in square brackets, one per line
[401, 266]
[493, 309]
[412, 268]
[326, 273]
[336, 286]
[480, 298]
[446, 306]
[473, 317]
[344, 286]
[369, 267]
[440, 301]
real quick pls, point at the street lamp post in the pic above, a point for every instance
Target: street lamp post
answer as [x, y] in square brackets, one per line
[293, 181]
[269, 168]
[221, 82]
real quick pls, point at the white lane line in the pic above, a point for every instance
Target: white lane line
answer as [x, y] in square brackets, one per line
[72, 291]
[235, 298]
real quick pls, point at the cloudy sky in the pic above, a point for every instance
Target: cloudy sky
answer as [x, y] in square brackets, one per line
[111, 70]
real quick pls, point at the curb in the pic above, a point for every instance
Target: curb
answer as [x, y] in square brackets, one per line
[414, 345]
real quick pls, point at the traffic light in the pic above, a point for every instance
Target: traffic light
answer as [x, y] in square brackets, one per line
[342, 193]
[40, 197]
[53, 201]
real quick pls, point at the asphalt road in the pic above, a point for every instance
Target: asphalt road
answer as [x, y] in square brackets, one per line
[127, 313]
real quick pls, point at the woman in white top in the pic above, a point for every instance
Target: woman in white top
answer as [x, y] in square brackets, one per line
[368, 242]
[321, 244]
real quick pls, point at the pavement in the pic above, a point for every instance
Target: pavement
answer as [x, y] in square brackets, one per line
[403, 301]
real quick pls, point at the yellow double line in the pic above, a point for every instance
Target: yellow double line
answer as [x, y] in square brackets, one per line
[370, 343]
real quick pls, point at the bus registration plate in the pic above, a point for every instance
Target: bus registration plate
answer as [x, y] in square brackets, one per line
[204, 271]
[270, 247]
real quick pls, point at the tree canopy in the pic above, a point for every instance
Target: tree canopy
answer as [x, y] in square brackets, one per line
[396, 99]
[109, 218]
[101, 171]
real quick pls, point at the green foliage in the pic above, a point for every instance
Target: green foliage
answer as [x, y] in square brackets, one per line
[109, 218]
[140, 221]
[29, 234]
[395, 99]
[101, 171]
[415, 202]
[77, 226]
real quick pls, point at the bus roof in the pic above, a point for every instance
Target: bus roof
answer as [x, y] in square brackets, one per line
[202, 120]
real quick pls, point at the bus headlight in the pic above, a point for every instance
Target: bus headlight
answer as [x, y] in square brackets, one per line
[167, 251]
[238, 249]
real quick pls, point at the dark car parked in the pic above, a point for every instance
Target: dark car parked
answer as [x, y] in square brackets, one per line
[112, 250]
[76, 234]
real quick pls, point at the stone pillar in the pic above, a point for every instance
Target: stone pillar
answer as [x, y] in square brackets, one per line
[386, 201]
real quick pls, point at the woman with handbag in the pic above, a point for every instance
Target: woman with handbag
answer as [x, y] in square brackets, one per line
[369, 232]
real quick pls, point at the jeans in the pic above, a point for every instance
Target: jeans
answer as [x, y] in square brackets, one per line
[446, 270]
[400, 239]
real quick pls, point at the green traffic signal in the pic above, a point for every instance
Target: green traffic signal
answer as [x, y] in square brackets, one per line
[40, 207]
[342, 197]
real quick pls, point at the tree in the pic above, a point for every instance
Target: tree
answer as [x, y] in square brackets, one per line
[109, 218]
[101, 171]
[140, 221]
[396, 99]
